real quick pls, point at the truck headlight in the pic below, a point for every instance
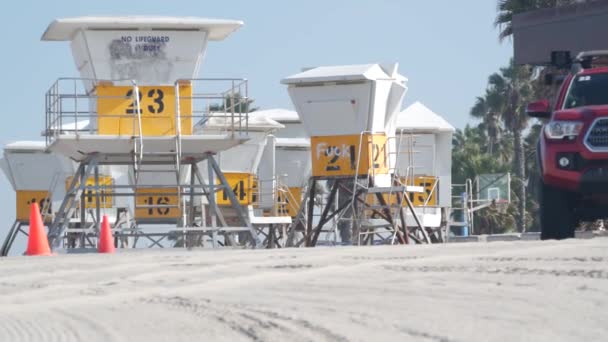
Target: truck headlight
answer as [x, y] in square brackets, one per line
[563, 129]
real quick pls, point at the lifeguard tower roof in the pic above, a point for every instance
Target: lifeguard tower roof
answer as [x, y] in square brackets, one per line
[65, 29]
[345, 73]
[294, 143]
[419, 118]
[223, 121]
[22, 162]
[25, 146]
[347, 99]
[149, 50]
[277, 114]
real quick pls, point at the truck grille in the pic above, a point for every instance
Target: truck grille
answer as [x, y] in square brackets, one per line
[597, 138]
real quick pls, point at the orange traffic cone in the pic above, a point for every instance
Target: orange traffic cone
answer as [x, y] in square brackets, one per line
[37, 241]
[106, 241]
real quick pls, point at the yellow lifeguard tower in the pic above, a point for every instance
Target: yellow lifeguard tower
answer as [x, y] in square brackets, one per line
[349, 112]
[21, 164]
[140, 97]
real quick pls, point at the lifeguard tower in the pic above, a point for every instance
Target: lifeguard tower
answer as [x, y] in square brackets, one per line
[424, 159]
[349, 113]
[21, 166]
[291, 159]
[287, 158]
[293, 168]
[139, 93]
[241, 163]
[251, 174]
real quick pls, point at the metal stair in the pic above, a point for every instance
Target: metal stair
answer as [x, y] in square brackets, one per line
[66, 211]
[172, 158]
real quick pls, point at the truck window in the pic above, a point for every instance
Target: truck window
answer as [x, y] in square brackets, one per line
[587, 90]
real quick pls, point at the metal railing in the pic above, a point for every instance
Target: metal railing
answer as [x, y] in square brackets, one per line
[222, 106]
[67, 105]
[72, 107]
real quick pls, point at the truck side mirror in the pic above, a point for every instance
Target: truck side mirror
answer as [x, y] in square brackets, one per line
[539, 109]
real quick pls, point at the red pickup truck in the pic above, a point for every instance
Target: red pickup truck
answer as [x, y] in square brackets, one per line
[573, 150]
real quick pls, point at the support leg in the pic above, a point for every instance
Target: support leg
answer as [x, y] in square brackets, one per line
[10, 238]
[192, 190]
[233, 200]
[323, 219]
[299, 222]
[310, 213]
[418, 223]
[97, 201]
[214, 210]
[271, 236]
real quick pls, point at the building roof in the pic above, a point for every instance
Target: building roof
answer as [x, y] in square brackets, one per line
[65, 28]
[420, 118]
[341, 73]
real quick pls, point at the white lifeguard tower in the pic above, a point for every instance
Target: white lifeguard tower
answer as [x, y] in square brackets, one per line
[283, 171]
[349, 113]
[241, 163]
[251, 174]
[291, 158]
[424, 159]
[21, 165]
[139, 93]
[294, 168]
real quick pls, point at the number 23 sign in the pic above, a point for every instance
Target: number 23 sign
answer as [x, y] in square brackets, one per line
[118, 106]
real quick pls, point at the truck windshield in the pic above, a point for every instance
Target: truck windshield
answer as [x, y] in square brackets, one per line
[588, 90]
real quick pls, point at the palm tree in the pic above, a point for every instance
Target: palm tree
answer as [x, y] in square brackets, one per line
[513, 85]
[503, 150]
[485, 108]
[235, 102]
[468, 157]
[493, 221]
[508, 8]
[533, 175]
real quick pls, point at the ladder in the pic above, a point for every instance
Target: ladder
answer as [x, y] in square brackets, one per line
[66, 211]
[172, 158]
[389, 210]
[45, 207]
[463, 204]
[138, 142]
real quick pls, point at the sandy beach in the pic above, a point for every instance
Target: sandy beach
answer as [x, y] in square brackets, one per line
[503, 291]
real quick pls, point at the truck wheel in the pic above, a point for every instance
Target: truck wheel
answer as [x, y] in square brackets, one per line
[557, 218]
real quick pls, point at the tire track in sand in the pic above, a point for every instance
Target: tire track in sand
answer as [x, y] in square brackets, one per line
[253, 324]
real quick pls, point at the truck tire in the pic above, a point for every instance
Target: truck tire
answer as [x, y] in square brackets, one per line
[557, 218]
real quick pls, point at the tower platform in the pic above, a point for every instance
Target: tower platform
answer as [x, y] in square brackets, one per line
[118, 149]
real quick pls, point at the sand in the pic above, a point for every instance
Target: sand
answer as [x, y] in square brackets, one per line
[502, 291]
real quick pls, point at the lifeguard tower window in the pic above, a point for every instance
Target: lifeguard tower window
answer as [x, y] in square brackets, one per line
[588, 90]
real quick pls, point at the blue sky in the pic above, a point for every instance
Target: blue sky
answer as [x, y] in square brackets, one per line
[447, 49]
